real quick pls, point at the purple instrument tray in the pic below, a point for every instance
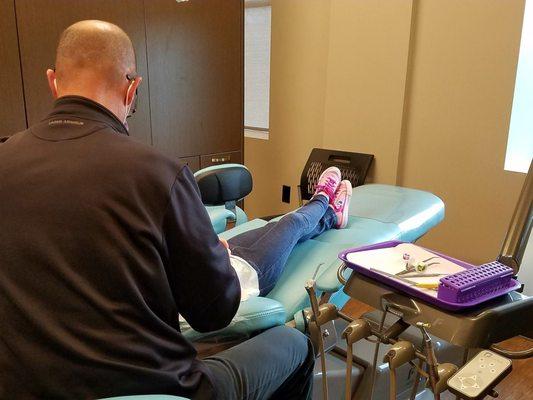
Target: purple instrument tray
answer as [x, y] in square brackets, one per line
[448, 300]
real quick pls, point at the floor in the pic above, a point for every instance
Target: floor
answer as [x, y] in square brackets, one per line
[517, 386]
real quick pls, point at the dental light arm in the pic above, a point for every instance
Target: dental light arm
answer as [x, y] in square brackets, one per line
[514, 246]
[519, 230]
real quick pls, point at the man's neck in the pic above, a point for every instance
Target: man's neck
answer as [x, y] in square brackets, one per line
[97, 96]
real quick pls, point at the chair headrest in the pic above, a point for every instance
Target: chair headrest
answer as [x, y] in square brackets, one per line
[224, 183]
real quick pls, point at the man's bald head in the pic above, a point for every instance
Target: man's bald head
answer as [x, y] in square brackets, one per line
[96, 48]
[93, 60]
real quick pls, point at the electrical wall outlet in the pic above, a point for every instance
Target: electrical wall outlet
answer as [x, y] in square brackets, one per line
[286, 194]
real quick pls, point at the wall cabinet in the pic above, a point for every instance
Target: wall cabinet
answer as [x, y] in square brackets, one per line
[195, 52]
[12, 113]
[233, 157]
[190, 55]
[192, 162]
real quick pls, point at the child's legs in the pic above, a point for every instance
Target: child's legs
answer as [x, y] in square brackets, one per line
[328, 221]
[248, 238]
[270, 252]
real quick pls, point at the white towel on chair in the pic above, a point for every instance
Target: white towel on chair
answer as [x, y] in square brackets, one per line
[247, 277]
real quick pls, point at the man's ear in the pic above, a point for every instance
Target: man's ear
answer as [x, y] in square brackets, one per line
[52, 84]
[132, 88]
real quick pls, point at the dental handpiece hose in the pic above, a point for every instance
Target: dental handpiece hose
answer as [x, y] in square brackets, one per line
[431, 361]
[393, 385]
[349, 366]
[310, 288]
[432, 366]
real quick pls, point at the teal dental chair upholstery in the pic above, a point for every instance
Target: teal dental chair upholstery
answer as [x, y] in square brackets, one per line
[377, 213]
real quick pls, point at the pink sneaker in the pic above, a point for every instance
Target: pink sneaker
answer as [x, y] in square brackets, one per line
[341, 203]
[328, 183]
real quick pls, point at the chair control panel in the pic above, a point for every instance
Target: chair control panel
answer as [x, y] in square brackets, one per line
[478, 377]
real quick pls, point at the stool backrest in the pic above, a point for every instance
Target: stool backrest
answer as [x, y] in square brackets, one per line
[354, 167]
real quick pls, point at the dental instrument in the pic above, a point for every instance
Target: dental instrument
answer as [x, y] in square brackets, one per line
[422, 285]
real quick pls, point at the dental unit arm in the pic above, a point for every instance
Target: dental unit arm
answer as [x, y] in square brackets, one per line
[410, 312]
[400, 353]
[481, 327]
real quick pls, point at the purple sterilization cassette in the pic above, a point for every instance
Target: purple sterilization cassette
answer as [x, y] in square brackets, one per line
[478, 283]
[456, 292]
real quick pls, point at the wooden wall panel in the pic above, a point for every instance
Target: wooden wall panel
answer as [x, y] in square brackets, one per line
[40, 23]
[195, 53]
[12, 113]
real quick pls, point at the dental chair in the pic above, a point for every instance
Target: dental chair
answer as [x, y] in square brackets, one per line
[378, 213]
[381, 213]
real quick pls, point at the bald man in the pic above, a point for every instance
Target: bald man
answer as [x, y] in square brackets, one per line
[103, 241]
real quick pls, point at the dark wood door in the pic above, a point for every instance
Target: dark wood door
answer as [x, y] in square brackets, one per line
[195, 53]
[40, 22]
[12, 113]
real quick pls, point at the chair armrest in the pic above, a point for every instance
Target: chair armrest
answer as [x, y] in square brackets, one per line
[254, 314]
[241, 216]
[219, 215]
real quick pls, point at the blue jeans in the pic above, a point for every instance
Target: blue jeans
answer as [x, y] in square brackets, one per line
[276, 364]
[268, 248]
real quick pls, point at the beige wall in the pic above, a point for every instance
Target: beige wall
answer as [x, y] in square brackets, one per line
[300, 31]
[457, 120]
[426, 86]
[367, 68]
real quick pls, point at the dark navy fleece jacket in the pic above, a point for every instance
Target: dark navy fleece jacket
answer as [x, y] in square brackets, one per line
[103, 241]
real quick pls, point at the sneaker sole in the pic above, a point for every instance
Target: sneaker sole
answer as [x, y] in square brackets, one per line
[344, 214]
